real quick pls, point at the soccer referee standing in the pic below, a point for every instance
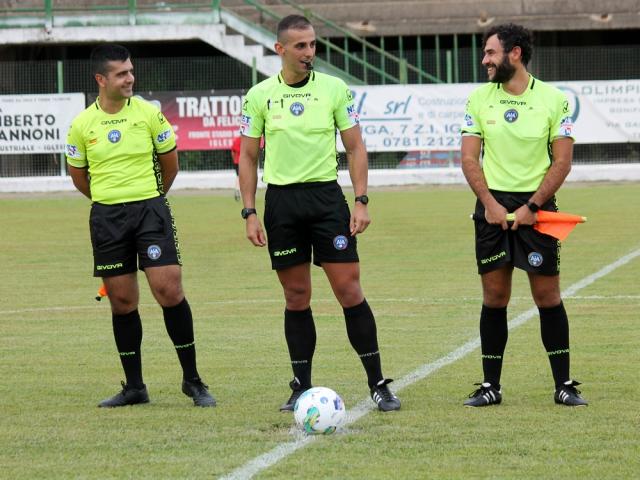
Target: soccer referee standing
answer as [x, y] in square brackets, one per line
[523, 129]
[306, 213]
[122, 155]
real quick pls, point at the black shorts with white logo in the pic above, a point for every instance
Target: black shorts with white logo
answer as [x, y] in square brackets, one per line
[128, 236]
[303, 217]
[525, 248]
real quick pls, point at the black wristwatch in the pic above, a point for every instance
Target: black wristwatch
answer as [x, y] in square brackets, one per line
[245, 212]
[363, 199]
[534, 207]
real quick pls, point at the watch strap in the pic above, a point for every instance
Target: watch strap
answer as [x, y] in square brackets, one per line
[245, 212]
[534, 207]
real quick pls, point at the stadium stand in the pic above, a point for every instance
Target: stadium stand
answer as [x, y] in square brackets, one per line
[44, 45]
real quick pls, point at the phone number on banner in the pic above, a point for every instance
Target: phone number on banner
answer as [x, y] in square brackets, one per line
[411, 136]
[416, 142]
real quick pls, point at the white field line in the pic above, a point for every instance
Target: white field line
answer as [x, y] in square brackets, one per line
[373, 300]
[283, 450]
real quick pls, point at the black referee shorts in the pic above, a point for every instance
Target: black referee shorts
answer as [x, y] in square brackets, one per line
[525, 248]
[132, 235]
[305, 217]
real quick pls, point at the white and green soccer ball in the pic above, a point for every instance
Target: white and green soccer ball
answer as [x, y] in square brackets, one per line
[319, 410]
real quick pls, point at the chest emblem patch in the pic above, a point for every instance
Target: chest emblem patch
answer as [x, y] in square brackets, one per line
[511, 115]
[297, 109]
[114, 136]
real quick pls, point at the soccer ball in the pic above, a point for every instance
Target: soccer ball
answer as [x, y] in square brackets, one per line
[319, 410]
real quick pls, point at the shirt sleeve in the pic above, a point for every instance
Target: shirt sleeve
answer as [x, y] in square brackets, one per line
[562, 121]
[164, 138]
[75, 149]
[252, 122]
[471, 123]
[345, 113]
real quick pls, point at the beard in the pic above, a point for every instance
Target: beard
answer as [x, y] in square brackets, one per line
[504, 71]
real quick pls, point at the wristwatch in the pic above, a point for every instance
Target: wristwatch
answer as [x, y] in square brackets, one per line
[534, 207]
[363, 199]
[245, 212]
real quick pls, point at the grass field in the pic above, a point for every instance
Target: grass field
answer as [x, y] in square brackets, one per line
[58, 357]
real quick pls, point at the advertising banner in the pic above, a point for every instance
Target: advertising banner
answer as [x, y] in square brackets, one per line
[202, 120]
[429, 117]
[37, 123]
[422, 119]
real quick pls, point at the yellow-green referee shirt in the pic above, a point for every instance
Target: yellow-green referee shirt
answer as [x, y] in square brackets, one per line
[299, 125]
[517, 132]
[120, 150]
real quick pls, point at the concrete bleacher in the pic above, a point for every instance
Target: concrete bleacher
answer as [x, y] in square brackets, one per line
[421, 17]
[425, 17]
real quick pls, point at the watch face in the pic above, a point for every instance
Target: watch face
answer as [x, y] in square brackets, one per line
[363, 199]
[245, 212]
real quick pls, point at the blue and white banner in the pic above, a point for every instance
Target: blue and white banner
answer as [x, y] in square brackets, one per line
[37, 123]
[428, 117]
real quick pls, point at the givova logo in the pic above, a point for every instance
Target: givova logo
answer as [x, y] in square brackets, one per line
[110, 266]
[282, 253]
[493, 258]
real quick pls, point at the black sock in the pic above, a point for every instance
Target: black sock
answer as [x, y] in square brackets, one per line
[363, 335]
[554, 329]
[179, 323]
[127, 330]
[300, 332]
[494, 333]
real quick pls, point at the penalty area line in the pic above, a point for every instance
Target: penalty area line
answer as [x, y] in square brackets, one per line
[283, 450]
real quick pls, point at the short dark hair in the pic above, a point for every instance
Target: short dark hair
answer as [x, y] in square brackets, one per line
[105, 53]
[292, 22]
[512, 35]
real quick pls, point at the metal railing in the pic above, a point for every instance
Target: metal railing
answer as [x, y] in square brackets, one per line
[363, 46]
[44, 16]
[361, 60]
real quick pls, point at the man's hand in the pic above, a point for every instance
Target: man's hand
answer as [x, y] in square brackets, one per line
[359, 219]
[524, 216]
[496, 214]
[255, 234]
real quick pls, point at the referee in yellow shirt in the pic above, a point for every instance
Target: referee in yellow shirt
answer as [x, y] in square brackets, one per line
[306, 214]
[522, 130]
[122, 155]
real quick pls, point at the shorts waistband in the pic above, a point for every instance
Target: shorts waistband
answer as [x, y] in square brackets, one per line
[293, 186]
[124, 204]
